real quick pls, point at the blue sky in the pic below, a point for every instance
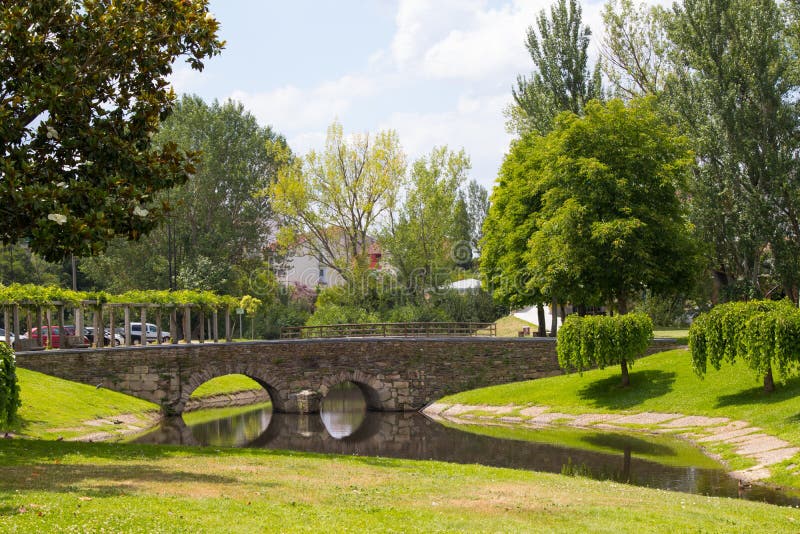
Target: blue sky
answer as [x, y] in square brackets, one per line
[439, 72]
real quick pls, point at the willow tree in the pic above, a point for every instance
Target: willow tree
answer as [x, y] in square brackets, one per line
[331, 203]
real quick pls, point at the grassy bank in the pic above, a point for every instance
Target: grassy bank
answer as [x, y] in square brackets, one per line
[57, 486]
[53, 408]
[663, 382]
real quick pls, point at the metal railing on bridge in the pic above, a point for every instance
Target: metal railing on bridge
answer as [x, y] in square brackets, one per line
[390, 330]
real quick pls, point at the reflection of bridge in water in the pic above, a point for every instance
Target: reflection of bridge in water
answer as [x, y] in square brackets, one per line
[413, 436]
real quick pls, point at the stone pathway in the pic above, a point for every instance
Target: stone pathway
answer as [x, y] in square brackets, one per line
[748, 441]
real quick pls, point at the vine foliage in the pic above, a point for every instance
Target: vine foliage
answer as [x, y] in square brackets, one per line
[9, 387]
[598, 341]
[764, 334]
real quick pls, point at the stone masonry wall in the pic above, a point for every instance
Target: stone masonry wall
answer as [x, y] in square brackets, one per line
[395, 374]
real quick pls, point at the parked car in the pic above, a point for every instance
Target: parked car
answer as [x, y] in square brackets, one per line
[11, 337]
[89, 333]
[151, 333]
[56, 337]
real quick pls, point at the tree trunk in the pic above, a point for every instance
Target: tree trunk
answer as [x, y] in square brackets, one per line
[622, 305]
[626, 380]
[554, 316]
[769, 383]
[542, 322]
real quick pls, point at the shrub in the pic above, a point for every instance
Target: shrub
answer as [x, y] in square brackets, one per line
[765, 334]
[9, 387]
[597, 341]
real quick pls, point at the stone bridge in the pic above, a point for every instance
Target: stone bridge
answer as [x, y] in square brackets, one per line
[394, 374]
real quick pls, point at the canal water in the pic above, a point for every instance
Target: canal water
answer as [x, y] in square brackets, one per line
[344, 426]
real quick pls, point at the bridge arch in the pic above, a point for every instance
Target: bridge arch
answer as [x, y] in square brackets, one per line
[377, 393]
[274, 386]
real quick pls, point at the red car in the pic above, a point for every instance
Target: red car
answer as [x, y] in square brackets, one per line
[68, 330]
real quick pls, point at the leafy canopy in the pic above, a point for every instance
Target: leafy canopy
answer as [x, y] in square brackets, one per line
[332, 202]
[611, 222]
[83, 88]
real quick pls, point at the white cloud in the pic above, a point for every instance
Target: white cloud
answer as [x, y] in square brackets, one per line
[293, 108]
[476, 125]
[185, 79]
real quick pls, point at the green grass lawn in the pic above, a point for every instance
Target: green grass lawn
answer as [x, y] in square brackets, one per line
[54, 408]
[92, 487]
[225, 384]
[510, 326]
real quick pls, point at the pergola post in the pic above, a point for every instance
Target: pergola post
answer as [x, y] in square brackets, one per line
[49, 325]
[228, 324]
[127, 311]
[158, 326]
[215, 325]
[202, 320]
[143, 320]
[15, 313]
[187, 324]
[173, 325]
[98, 326]
[60, 318]
[6, 326]
[112, 335]
[42, 340]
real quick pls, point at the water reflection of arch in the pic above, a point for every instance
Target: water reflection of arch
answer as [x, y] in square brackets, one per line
[272, 385]
[375, 392]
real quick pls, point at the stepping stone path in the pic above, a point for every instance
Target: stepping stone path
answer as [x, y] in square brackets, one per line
[748, 441]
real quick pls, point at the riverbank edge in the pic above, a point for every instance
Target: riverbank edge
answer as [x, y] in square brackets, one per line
[142, 423]
[700, 431]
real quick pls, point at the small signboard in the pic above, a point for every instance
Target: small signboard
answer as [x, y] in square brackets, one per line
[240, 311]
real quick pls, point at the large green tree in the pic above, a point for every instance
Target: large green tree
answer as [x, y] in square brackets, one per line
[214, 236]
[333, 203]
[83, 88]
[430, 232]
[510, 222]
[561, 80]
[736, 90]
[611, 223]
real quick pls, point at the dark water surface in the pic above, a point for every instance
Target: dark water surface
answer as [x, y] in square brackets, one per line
[346, 427]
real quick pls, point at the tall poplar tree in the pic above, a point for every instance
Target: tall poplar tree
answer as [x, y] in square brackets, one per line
[561, 80]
